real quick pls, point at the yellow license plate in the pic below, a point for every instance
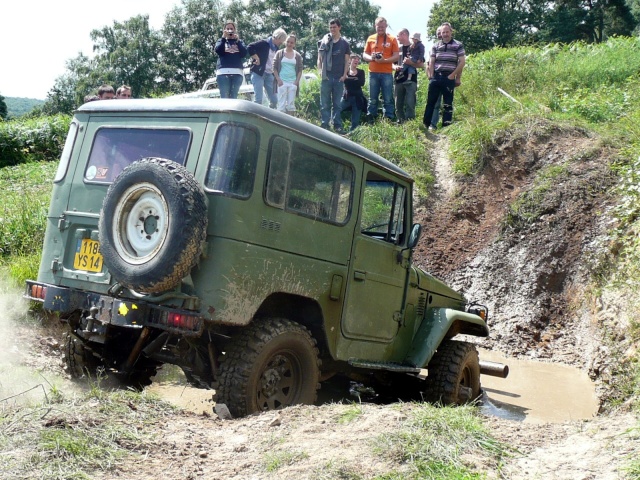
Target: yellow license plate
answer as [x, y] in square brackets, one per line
[88, 256]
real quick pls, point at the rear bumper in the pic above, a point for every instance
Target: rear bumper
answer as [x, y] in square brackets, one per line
[115, 311]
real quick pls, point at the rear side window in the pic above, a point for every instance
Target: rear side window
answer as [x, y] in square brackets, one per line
[308, 183]
[115, 148]
[232, 167]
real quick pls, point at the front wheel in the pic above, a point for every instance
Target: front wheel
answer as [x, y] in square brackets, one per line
[454, 374]
[271, 365]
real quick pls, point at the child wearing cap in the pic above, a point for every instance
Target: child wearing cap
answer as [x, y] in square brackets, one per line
[416, 53]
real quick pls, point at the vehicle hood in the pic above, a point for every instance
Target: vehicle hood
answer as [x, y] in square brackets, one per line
[425, 281]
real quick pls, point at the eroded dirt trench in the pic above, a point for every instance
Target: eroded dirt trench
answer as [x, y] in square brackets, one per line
[532, 274]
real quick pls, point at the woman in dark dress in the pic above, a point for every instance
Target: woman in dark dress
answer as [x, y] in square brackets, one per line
[353, 97]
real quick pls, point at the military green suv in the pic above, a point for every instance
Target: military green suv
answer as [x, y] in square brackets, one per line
[257, 252]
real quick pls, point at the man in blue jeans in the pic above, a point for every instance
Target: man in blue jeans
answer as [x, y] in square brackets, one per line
[262, 53]
[333, 64]
[445, 68]
[381, 51]
[406, 87]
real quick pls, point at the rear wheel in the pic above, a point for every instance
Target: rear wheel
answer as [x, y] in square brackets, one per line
[271, 365]
[454, 374]
[79, 360]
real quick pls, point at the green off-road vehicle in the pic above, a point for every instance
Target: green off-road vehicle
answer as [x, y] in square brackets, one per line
[257, 252]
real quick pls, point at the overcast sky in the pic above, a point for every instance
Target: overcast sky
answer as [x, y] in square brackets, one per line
[38, 37]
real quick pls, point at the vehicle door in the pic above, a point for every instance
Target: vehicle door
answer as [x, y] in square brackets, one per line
[377, 274]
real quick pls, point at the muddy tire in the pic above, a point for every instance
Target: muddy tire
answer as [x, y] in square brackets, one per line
[79, 360]
[152, 225]
[454, 374]
[271, 365]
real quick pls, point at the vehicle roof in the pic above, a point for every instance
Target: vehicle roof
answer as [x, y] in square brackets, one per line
[210, 105]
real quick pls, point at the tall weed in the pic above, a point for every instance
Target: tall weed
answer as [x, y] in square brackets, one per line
[26, 191]
[37, 139]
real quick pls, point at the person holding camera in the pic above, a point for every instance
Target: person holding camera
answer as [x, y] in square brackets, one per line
[333, 64]
[381, 51]
[231, 52]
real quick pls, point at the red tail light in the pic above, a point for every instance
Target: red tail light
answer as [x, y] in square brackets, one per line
[180, 320]
[38, 291]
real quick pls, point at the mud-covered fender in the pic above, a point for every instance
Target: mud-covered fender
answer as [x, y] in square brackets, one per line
[440, 323]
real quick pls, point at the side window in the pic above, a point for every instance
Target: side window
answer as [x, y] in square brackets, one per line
[308, 183]
[113, 149]
[278, 171]
[383, 209]
[232, 167]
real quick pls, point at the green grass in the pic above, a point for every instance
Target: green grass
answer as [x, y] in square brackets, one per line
[26, 191]
[351, 413]
[434, 440]
[75, 438]
[336, 470]
[274, 461]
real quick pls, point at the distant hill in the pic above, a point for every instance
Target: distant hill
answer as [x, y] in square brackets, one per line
[18, 106]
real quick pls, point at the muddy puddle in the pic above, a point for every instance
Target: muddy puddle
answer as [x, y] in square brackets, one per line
[538, 392]
[534, 392]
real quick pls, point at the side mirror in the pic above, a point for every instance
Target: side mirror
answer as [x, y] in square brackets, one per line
[416, 231]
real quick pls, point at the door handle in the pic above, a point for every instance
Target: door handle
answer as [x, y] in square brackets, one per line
[360, 276]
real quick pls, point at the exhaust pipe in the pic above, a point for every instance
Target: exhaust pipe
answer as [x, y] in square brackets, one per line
[494, 369]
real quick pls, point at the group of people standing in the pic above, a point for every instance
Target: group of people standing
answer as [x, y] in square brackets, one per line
[273, 70]
[393, 74]
[342, 80]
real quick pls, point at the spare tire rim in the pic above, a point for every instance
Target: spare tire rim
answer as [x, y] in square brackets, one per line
[140, 223]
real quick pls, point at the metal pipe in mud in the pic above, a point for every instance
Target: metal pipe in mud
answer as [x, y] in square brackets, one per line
[494, 369]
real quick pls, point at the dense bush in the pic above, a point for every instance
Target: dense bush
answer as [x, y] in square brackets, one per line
[37, 139]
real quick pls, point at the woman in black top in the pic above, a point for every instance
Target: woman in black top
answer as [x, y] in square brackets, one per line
[353, 98]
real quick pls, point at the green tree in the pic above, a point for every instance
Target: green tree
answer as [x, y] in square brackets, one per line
[357, 18]
[3, 108]
[83, 76]
[634, 9]
[128, 53]
[307, 19]
[592, 21]
[189, 35]
[484, 24]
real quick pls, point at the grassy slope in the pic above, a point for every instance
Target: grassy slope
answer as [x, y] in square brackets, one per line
[594, 87]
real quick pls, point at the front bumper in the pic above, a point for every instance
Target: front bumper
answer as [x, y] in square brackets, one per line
[119, 312]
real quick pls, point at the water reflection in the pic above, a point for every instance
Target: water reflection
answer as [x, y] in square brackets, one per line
[538, 392]
[500, 409]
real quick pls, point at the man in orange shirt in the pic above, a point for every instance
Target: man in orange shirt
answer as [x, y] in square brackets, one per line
[381, 51]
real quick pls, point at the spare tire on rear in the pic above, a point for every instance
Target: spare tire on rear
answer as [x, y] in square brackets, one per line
[152, 225]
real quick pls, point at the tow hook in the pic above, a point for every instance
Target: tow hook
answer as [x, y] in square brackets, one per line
[91, 319]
